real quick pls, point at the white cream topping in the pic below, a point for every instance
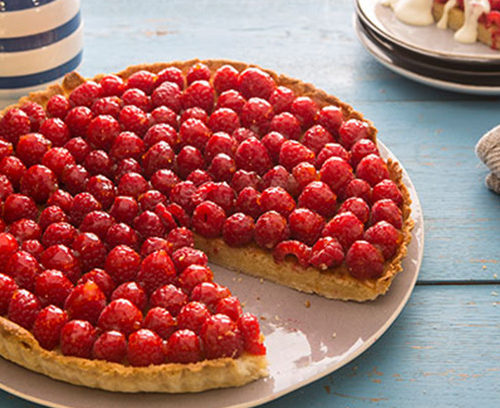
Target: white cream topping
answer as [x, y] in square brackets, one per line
[443, 21]
[413, 12]
[472, 10]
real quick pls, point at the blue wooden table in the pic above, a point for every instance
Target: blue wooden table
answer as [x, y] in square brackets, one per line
[444, 349]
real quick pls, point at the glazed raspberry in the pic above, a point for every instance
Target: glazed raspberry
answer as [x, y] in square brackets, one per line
[157, 270]
[185, 256]
[150, 199]
[253, 82]
[6, 148]
[241, 134]
[198, 72]
[222, 167]
[184, 346]
[364, 261]
[169, 297]
[77, 338]
[61, 258]
[167, 94]
[225, 78]
[238, 230]
[38, 182]
[316, 137]
[387, 189]
[61, 199]
[153, 244]
[159, 156]
[209, 293]
[145, 348]
[181, 194]
[171, 74]
[192, 316]
[83, 203]
[208, 219]
[251, 155]
[24, 307]
[385, 237]
[337, 173]
[59, 233]
[287, 125]
[48, 325]
[124, 209]
[75, 178]
[362, 148]
[180, 215]
[248, 202]
[144, 80]
[134, 119]
[358, 188]
[110, 105]
[194, 113]
[326, 253]
[194, 275]
[229, 306]
[7, 288]
[121, 233]
[305, 110]
[23, 268]
[33, 247]
[199, 94]
[110, 346]
[332, 150]
[353, 130]
[111, 85]
[305, 225]
[78, 148]
[331, 117]
[242, 179]
[199, 177]
[220, 142]
[126, 166]
[102, 131]
[86, 301]
[358, 207]
[180, 237]
[102, 189]
[122, 264]
[85, 94]
[188, 160]
[165, 216]
[195, 133]
[132, 292]
[277, 177]
[13, 168]
[132, 184]
[25, 229]
[164, 180]
[281, 99]
[387, 210]
[121, 315]
[31, 148]
[273, 141]
[5, 187]
[277, 199]
[219, 193]
[346, 227]
[231, 99]
[101, 279]
[127, 145]
[256, 115]
[17, 206]
[148, 224]
[161, 132]
[249, 327]
[304, 173]
[56, 131]
[97, 222]
[13, 124]
[224, 120]
[221, 337]
[293, 153]
[136, 97]
[78, 120]
[292, 248]
[160, 321]
[270, 229]
[58, 106]
[164, 116]
[56, 159]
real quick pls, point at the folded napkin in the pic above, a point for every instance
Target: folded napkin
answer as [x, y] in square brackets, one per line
[488, 150]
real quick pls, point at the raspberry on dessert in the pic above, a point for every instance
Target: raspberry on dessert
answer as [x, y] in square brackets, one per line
[124, 209]
[316, 137]
[97, 222]
[7, 288]
[110, 346]
[134, 119]
[195, 113]
[249, 327]
[61, 199]
[101, 279]
[58, 106]
[353, 130]
[84, 94]
[358, 207]
[48, 325]
[24, 268]
[31, 147]
[159, 156]
[184, 346]
[126, 166]
[331, 117]
[277, 199]
[164, 180]
[238, 230]
[185, 256]
[222, 167]
[90, 250]
[209, 293]
[180, 215]
[281, 99]
[198, 72]
[305, 225]
[199, 177]
[144, 80]
[148, 224]
[127, 145]
[122, 264]
[224, 120]
[34, 247]
[111, 85]
[362, 148]
[132, 292]
[231, 99]
[270, 229]
[61, 258]
[295, 248]
[77, 338]
[157, 270]
[337, 173]
[153, 244]
[326, 253]
[8, 247]
[188, 160]
[145, 348]
[252, 155]
[56, 159]
[278, 176]
[18, 206]
[248, 202]
[23, 309]
[160, 321]
[109, 105]
[387, 189]
[358, 188]
[192, 316]
[83, 203]
[85, 302]
[292, 153]
[13, 168]
[225, 78]
[121, 315]
[169, 297]
[137, 97]
[220, 193]
[387, 210]
[180, 237]
[56, 131]
[229, 306]
[253, 82]
[6, 148]
[256, 115]
[102, 132]
[346, 227]
[372, 169]
[78, 120]
[287, 125]
[15, 123]
[385, 237]
[150, 199]
[161, 132]
[166, 217]
[305, 110]
[102, 189]
[52, 287]
[38, 182]
[208, 219]
[59, 233]
[25, 229]
[221, 337]
[242, 179]
[171, 74]
[165, 116]
[6, 188]
[364, 261]
[273, 141]
[75, 178]
[241, 134]
[132, 184]
[304, 173]
[167, 94]
[220, 142]
[317, 196]
[193, 275]
[195, 133]
[78, 148]
[200, 94]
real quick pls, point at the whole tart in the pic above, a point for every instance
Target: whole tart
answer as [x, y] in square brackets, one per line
[115, 189]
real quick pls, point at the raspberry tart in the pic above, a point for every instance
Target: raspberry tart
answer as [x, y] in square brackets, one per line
[116, 191]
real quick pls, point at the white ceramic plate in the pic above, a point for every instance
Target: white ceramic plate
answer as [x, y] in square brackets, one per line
[428, 40]
[304, 343]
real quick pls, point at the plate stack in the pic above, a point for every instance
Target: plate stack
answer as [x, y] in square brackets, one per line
[426, 54]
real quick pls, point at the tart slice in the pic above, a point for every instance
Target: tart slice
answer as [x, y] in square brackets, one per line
[116, 189]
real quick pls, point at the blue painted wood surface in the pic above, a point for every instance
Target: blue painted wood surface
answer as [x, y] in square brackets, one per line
[443, 350]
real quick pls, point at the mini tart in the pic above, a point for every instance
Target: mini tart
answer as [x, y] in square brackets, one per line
[20, 346]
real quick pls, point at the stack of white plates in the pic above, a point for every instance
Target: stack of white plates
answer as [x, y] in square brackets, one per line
[426, 54]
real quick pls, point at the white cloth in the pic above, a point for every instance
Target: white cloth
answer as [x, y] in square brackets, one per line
[488, 151]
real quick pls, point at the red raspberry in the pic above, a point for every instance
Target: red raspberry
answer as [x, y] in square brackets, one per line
[220, 142]
[85, 302]
[180, 237]
[148, 224]
[251, 155]
[102, 189]
[61, 258]
[122, 234]
[61, 199]
[78, 120]
[184, 346]
[192, 316]
[25, 229]
[83, 203]
[231, 99]
[110, 105]
[295, 248]
[132, 184]
[132, 292]
[127, 145]
[293, 153]
[121, 315]
[316, 137]
[171, 74]
[59, 233]
[364, 261]
[126, 166]
[13, 168]
[13, 124]
[165, 116]
[358, 188]
[225, 78]
[56, 159]
[78, 148]
[48, 325]
[195, 133]
[39, 182]
[102, 131]
[277, 199]
[161, 132]
[337, 173]
[97, 222]
[222, 167]
[185, 256]
[387, 210]
[23, 308]
[194, 113]
[17, 206]
[229, 306]
[281, 99]
[209, 293]
[153, 244]
[384, 237]
[164, 180]
[75, 178]
[122, 264]
[224, 120]
[253, 82]
[110, 346]
[165, 216]
[5, 187]
[199, 177]
[346, 227]
[331, 118]
[194, 275]
[24, 268]
[221, 337]
[159, 156]
[85, 94]
[208, 219]
[167, 94]
[248, 202]
[77, 338]
[387, 189]
[303, 174]
[243, 178]
[256, 115]
[358, 207]
[56, 131]
[2, 225]
[8, 246]
[180, 215]
[241, 134]
[287, 125]
[134, 119]
[7, 288]
[150, 199]
[238, 230]
[277, 177]
[248, 325]
[58, 106]
[124, 209]
[160, 321]
[273, 141]
[31, 148]
[101, 279]
[353, 130]
[169, 297]
[111, 85]
[305, 110]
[188, 160]
[157, 270]
[305, 225]
[270, 229]
[326, 253]
[198, 72]
[199, 94]
[34, 247]
[145, 348]
[144, 80]
[6, 148]
[362, 148]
